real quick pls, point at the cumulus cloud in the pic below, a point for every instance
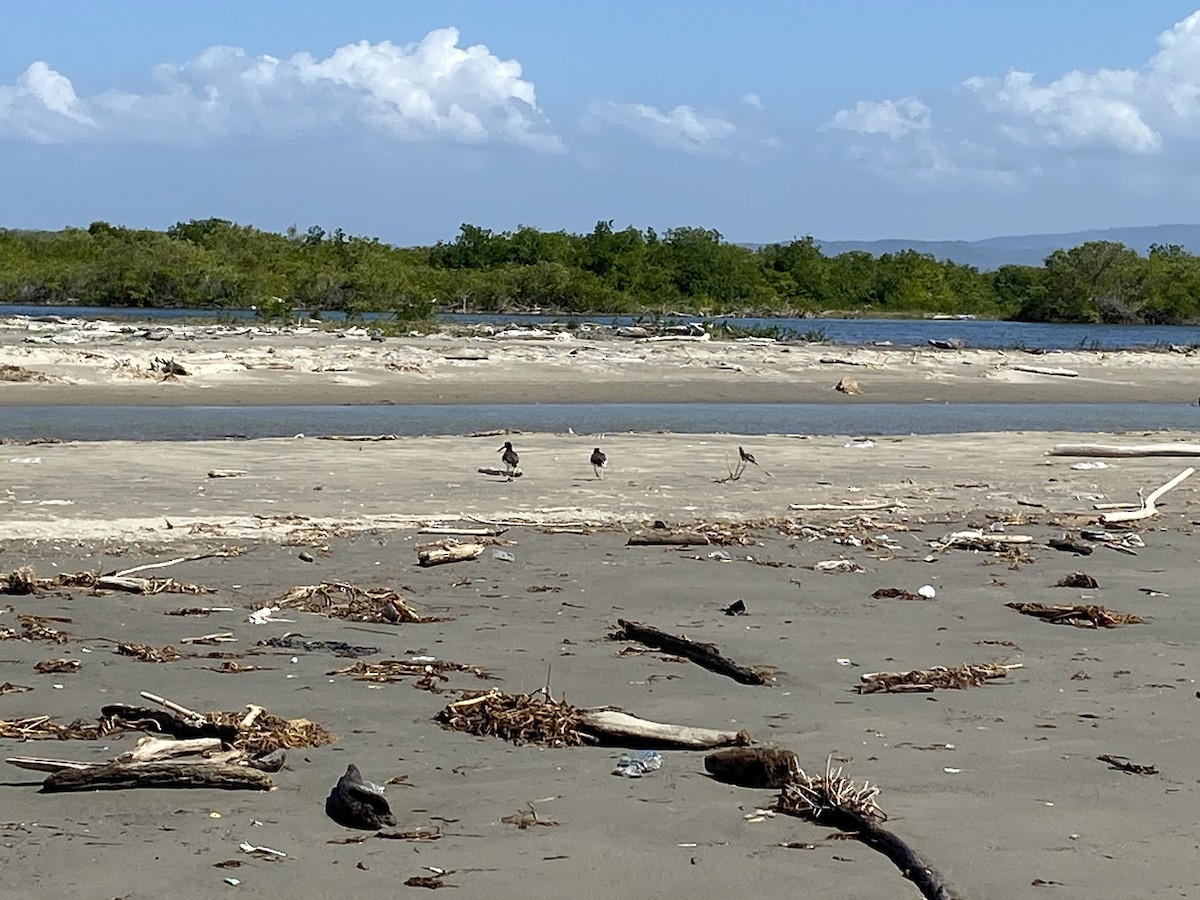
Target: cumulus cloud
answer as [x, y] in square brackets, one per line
[431, 90]
[1019, 124]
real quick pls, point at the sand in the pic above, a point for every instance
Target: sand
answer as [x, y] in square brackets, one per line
[999, 787]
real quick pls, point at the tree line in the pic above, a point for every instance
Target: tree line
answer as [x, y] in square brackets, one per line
[217, 264]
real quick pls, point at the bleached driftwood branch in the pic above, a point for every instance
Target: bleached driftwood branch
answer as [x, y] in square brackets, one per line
[1148, 508]
[1129, 450]
[1038, 370]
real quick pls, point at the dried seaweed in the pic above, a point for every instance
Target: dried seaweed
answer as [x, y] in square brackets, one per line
[25, 581]
[937, 678]
[1122, 763]
[520, 718]
[267, 732]
[428, 673]
[44, 728]
[9, 688]
[889, 593]
[22, 580]
[146, 653]
[339, 600]
[58, 666]
[1077, 580]
[36, 628]
[1082, 616]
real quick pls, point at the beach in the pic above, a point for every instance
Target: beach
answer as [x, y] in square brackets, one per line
[998, 786]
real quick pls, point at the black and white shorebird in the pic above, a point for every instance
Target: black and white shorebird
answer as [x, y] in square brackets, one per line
[510, 459]
[599, 461]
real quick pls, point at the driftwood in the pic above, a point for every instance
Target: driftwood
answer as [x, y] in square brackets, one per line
[1149, 507]
[706, 656]
[1038, 370]
[502, 473]
[666, 538]
[1066, 545]
[462, 530]
[1125, 451]
[753, 767]
[355, 803]
[847, 507]
[844, 361]
[611, 727]
[834, 800]
[1082, 616]
[939, 677]
[1078, 580]
[118, 776]
[448, 553]
[978, 540]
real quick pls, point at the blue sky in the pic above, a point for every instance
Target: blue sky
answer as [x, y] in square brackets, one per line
[765, 121]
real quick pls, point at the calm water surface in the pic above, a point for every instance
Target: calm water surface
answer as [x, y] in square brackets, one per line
[172, 423]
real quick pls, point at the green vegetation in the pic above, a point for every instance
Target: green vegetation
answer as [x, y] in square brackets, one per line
[216, 264]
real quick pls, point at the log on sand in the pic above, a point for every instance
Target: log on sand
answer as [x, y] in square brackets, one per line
[612, 727]
[1039, 370]
[667, 539]
[119, 776]
[450, 553]
[704, 655]
[1149, 507]
[1125, 451]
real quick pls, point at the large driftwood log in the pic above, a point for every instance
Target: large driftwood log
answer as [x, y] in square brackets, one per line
[450, 553]
[1149, 507]
[666, 538]
[119, 776]
[1130, 450]
[1039, 370]
[612, 727]
[704, 655]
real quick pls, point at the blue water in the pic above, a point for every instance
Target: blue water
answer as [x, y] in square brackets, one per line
[173, 423]
[900, 332]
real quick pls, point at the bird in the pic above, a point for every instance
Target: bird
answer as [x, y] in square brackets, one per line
[510, 458]
[599, 460]
[747, 457]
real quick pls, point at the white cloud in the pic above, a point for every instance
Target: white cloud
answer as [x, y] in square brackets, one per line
[679, 128]
[894, 118]
[430, 90]
[753, 101]
[1019, 125]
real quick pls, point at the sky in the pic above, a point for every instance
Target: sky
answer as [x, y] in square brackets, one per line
[843, 119]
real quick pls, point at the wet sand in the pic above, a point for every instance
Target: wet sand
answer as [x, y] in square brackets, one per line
[1018, 806]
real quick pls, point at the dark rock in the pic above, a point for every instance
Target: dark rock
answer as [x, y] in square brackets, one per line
[356, 804]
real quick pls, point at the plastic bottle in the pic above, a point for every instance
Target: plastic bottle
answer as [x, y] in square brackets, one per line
[638, 764]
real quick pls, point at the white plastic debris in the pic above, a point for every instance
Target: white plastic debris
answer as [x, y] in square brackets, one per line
[502, 555]
[247, 847]
[265, 615]
[927, 591]
[1096, 464]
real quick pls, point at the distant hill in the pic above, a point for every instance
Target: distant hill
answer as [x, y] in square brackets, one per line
[1026, 249]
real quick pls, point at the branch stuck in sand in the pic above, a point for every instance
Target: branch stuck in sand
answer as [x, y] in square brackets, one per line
[706, 656]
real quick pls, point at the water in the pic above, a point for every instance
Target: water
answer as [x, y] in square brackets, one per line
[900, 332]
[189, 423]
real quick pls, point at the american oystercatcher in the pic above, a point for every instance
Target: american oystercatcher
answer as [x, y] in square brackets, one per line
[599, 460]
[510, 458]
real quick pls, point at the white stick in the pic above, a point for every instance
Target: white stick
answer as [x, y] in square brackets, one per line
[1148, 505]
[172, 705]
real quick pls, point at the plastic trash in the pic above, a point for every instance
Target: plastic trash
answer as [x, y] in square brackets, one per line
[927, 591]
[638, 764]
[502, 555]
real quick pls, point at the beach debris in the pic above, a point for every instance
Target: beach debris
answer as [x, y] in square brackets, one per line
[752, 767]
[833, 799]
[226, 473]
[503, 555]
[976, 539]
[1153, 592]
[1093, 464]
[1149, 506]
[340, 600]
[518, 718]
[1067, 545]
[736, 608]
[9, 688]
[947, 344]
[927, 592]
[22, 580]
[428, 672]
[58, 666]
[36, 628]
[1039, 370]
[1123, 764]
[305, 556]
[706, 656]
[933, 679]
[666, 537]
[635, 765]
[25, 581]
[210, 640]
[1177, 448]
[538, 719]
[168, 367]
[527, 818]
[435, 881]
[146, 653]
[20, 373]
[1077, 580]
[836, 565]
[463, 530]
[1124, 542]
[259, 852]
[298, 642]
[847, 386]
[864, 506]
[448, 551]
[1081, 616]
[355, 803]
[119, 776]
[889, 593]
[233, 667]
